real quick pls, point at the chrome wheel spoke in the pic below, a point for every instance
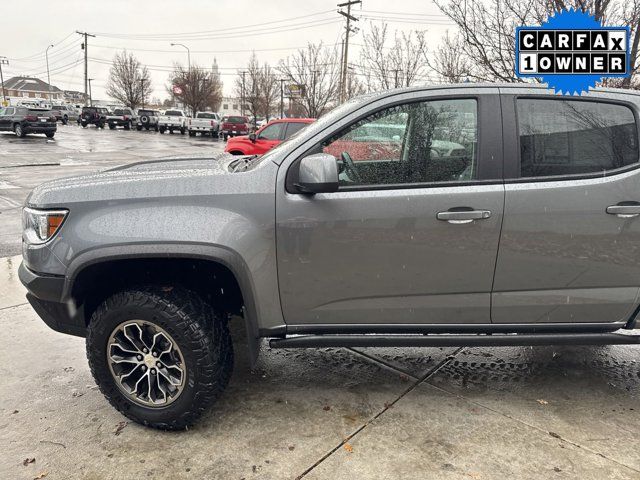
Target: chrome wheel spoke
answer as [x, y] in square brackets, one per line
[146, 363]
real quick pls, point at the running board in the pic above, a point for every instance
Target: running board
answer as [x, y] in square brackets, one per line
[492, 340]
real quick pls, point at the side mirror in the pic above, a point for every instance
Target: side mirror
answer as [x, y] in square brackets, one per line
[252, 137]
[318, 174]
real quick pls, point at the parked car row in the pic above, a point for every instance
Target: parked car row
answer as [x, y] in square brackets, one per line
[235, 129]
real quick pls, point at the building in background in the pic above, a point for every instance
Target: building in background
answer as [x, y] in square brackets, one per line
[29, 87]
[230, 106]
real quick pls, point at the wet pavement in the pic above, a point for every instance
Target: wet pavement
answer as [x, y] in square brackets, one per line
[413, 413]
[27, 162]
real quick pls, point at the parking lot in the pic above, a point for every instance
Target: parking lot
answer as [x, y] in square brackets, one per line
[441, 413]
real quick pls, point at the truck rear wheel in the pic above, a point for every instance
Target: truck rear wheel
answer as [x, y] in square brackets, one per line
[161, 356]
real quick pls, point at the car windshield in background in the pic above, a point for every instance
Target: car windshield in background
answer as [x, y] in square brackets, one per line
[173, 113]
[206, 115]
[118, 111]
[38, 111]
[146, 112]
[236, 120]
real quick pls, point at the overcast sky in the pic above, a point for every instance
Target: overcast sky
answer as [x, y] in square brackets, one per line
[274, 29]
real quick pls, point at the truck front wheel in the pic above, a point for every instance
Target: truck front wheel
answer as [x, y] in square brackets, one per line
[161, 356]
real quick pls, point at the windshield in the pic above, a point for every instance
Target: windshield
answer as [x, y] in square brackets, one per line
[236, 120]
[207, 115]
[145, 112]
[321, 123]
[173, 113]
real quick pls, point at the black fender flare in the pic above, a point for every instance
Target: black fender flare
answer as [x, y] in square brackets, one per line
[215, 253]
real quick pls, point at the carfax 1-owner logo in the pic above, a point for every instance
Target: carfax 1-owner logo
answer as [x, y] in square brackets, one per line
[572, 52]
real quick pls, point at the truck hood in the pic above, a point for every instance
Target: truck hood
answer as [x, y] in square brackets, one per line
[164, 177]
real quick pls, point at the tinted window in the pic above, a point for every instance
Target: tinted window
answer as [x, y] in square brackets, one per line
[145, 112]
[207, 115]
[173, 113]
[294, 127]
[569, 137]
[237, 120]
[272, 132]
[118, 111]
[421, 142]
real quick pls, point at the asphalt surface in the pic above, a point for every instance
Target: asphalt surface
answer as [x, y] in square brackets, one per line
[416, 413]
[27, 162]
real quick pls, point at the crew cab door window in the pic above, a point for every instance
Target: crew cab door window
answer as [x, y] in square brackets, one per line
[421, 142]
[272, 132]
[570, 137]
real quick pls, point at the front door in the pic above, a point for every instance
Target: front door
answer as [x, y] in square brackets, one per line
[411, 237]
[268, 137]
[570, 245]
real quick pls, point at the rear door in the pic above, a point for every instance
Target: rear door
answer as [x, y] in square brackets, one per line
[570, 243]
[410, 239]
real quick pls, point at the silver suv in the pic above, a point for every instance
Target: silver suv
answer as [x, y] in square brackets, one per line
[456, 215]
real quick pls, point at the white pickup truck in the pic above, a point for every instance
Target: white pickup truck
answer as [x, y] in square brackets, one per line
[172, 120]
[205, 123]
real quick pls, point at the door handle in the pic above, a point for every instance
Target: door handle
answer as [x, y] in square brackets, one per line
[462, 215]
[624, 209]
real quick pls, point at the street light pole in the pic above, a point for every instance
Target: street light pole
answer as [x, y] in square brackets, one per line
[188, 53]
[3, 61]
[46, 54]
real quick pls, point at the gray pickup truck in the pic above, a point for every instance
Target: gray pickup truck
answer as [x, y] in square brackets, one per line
[456, 215]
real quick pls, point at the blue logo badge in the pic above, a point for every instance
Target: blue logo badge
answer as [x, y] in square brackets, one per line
[572, 51]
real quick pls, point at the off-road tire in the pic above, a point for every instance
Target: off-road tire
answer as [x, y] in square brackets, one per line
[84, 124]
[139, 127]
[50, 134]
[112, 126]
[162, 129]
[198, 330]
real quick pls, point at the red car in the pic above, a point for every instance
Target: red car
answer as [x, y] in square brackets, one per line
[267, 137]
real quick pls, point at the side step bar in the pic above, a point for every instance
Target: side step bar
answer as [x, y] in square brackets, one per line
[492, 340]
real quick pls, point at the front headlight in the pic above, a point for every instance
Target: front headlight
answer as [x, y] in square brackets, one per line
[39, 226]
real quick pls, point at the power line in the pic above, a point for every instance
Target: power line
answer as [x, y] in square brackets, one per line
[231, 35]
[171, 35]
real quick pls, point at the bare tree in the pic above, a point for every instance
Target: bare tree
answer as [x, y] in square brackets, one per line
[447, 61]
[196, 87]
[247, 87]
[316, 70]
[487, 30]
[269, 90]
[393, 62]
[129, 81]
[354, 86]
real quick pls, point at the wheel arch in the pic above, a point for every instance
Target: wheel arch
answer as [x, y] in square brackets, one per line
[88, 266]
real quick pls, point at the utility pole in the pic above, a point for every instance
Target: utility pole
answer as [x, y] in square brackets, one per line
[3, 61]
[86, 61]
[142, 90]
[46, 55]
[242, 95]
[345, 52]
[282, 80]
[90, 97]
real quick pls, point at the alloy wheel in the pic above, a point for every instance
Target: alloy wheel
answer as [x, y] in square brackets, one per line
[146, 363]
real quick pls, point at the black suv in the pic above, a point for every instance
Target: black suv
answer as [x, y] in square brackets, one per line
[23, 120]
[93, 115]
